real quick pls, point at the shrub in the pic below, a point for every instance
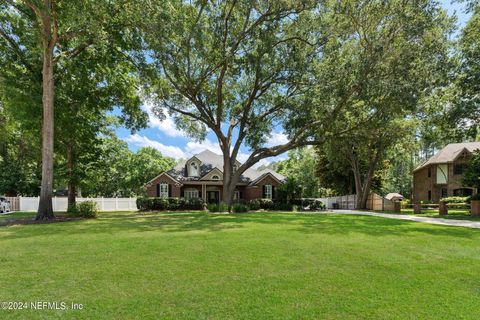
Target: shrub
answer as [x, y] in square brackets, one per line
[282, 206]
[85, 209]
[193, 204]
[239, 208]
[316, 205]
[254, 204]
[172, 204]
[405, 203]
[221, 207]
[454, 199]
[309, 204]
[266, 204]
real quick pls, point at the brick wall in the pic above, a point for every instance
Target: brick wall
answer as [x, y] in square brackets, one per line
[256, 192]
[152, 190]
[422, 183]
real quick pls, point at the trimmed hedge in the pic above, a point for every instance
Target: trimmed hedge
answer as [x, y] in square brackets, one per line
[172, 204]
[309, 204]
[257, 204]
[454, 199]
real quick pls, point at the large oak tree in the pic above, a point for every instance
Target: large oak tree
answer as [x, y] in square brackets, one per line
[241, 69]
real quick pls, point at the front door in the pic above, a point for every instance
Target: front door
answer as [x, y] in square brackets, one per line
[213, 196]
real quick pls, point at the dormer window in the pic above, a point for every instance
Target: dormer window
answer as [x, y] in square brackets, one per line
[215, 177]
[193, 169]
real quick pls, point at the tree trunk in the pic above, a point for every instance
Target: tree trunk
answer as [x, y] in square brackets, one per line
[45, 208]
[228, 181]
[72, 186]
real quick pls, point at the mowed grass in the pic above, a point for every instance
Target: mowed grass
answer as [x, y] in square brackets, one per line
[245, 266]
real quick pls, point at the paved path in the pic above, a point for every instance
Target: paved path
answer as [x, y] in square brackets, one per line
[441, 221]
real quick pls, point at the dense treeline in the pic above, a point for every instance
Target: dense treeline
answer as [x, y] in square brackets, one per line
[373, 86]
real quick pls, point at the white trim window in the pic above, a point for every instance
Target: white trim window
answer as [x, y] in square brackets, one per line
[193, 169]
[236, 195]
[215, 177]
[163, 190]
[190, 193]
[268, 191]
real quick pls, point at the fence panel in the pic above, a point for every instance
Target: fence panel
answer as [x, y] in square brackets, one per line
[61, 203]
[374, 202]
[14, 203]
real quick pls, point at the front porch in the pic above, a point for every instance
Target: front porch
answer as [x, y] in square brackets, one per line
[208, 191]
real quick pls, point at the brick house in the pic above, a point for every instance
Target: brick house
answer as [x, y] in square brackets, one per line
[201, 177]
[441, 175]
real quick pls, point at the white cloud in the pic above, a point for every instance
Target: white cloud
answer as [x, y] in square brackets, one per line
[166, 126]
[170, 151]
[277, 138]
[194, 147]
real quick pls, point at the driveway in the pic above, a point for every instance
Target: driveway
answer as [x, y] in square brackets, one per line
[445, 222]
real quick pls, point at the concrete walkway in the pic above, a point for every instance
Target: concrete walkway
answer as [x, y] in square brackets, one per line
[441, 221]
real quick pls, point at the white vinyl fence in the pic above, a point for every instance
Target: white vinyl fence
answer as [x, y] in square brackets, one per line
[60, 203]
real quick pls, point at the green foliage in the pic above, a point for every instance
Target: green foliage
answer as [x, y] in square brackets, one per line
[84, 209]
[282, 206]
[471, 176]
[299, 168]
[117, 171]
[254, 204]
[171, 204]
[239, 208]
[308, 204]
[474, 197]
[218, 207]
[257, 204]
[454, 200]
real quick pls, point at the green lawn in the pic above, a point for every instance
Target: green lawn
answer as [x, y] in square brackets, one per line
[16, 215]
[248, 266]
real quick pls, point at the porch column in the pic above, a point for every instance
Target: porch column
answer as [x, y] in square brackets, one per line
[204, 192]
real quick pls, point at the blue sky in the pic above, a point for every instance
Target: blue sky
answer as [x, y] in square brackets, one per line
[164, 136]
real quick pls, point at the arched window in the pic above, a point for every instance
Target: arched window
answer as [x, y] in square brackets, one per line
[193, 169]
[215, 177]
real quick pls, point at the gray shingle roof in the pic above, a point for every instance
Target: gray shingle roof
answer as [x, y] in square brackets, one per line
[450, 153]
[210, 160]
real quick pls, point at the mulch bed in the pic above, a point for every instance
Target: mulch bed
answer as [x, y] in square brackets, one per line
[58, 218]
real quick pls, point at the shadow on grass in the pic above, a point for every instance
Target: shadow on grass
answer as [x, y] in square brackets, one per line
[205, 222]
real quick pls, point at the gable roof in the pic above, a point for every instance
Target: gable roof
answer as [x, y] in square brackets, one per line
[210, 161]
[449, 153]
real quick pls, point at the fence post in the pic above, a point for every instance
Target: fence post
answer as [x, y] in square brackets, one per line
[116, 203]
[102, 201]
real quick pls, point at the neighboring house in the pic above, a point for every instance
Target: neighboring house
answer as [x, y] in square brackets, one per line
[201, 176]
[441, 176]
